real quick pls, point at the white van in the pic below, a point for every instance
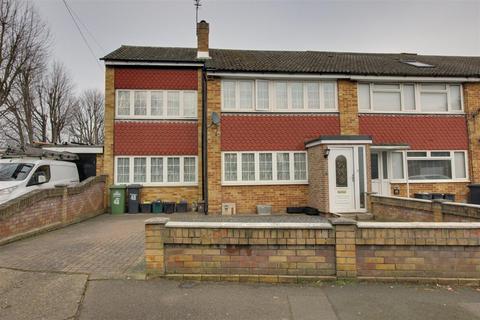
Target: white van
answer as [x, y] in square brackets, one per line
[21, 175]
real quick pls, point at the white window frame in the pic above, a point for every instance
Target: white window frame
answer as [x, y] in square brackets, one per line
[165, 183]
[149, 104]
[417, 91]
[257, 180]
[272, 97]
[428, 156]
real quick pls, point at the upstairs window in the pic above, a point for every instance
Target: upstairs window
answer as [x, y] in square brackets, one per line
[410, 97]
[156, 104]
[278, 96]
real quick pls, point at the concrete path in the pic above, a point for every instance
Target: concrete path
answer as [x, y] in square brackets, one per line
[162, 299]
[103, 247]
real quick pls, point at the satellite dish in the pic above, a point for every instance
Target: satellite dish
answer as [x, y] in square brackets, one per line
[215, 118]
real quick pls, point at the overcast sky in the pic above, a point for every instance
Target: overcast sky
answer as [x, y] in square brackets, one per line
[425, 27]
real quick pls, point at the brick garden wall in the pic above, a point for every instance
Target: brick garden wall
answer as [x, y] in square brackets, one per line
[47, 209]
[413, 251]
[296, 252]
[417, 210]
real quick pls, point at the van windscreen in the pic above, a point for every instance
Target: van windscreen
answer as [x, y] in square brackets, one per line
[14, 171]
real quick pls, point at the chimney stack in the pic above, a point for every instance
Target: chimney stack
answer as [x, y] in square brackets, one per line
[202, 40]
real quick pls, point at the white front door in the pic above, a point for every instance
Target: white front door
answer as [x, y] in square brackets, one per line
[380, 173]
[341, 180]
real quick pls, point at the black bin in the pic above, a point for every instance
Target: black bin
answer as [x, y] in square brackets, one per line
[182, 206]
[169, 207]
[449, 197]
[423, 195]
[474, 193]
[133, 192]
[437, 195]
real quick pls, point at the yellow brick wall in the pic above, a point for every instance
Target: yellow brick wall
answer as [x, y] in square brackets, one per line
[170, 194]
[199, 135]
[348, 107]
[108, 161]
[471, 98]
[279, 197]
[459, 189]
[214, 148]
[318, 191]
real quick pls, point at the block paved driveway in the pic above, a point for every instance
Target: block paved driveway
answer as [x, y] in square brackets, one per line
[105, 247]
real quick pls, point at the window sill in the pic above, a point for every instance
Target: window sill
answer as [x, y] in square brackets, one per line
[166, 185]
[299, 111]
[412, 112]
[262, 183]
[431, 181]
[154, 118]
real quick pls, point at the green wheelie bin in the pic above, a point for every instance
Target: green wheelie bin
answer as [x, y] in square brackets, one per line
[117, 199]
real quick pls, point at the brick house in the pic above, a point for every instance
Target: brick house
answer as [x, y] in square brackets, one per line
[295, 128]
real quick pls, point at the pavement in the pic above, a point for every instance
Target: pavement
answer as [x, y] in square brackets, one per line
[92, 270]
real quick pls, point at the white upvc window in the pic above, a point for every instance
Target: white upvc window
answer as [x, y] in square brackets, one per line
[139, 170]
[140, 103]
[123, 102]
[263, 95]
[428, 166]
[265, 167]
[156, 104]
[278, 96]
[410, 97]
[123, 170]
[156, 170]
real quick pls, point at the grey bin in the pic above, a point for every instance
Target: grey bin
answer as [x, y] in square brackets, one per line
[474, 193]
[133, 194]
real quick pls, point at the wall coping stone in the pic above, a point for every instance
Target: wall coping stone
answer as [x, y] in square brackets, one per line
[419, 225]
[248, 225]
[401, 198]
[460, 204]
[342, 221]
[158, 220]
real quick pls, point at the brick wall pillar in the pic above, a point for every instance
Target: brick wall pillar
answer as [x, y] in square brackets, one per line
[154, 251]
[437, 210]
[345, 249]
[214, 148]
[471, 98]
[64, 203]
[109, 123]
[348, 107]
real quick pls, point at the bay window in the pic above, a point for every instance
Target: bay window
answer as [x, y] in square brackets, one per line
[410, 97]
[278, 96]
[156, 104]
[156, 170]
[253, 168]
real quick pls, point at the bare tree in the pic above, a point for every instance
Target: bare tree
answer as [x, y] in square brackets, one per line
[58, 98]
[87, 123]
[23, 41]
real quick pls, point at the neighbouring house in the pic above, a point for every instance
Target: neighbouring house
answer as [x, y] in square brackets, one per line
[289, 128]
